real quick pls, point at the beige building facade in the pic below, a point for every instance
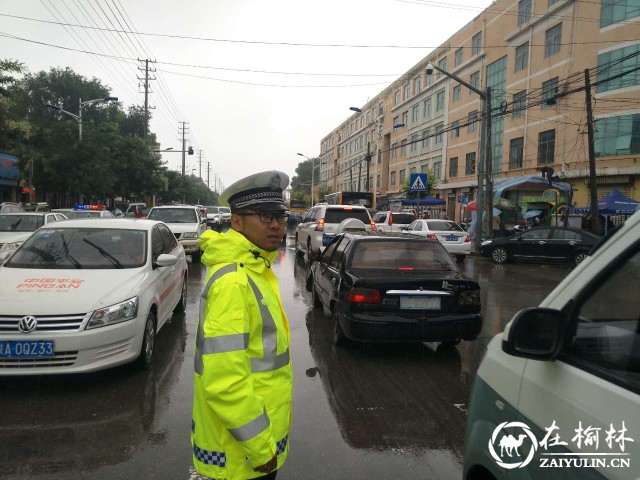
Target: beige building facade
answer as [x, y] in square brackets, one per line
[532, 54]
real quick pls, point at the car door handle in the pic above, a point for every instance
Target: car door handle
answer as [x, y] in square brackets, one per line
[542, 242]
[572, 242]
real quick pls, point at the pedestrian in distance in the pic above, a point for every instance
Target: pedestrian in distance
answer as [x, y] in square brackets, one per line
[243, 376]
[443, 215]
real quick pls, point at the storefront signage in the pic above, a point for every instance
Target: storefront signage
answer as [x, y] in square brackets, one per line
[9, 167]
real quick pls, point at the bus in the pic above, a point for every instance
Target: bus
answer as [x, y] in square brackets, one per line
[297, 207]
[350, 198]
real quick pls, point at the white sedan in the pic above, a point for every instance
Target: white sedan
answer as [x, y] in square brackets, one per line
[85, 295]
[15, 228]
[451, 235]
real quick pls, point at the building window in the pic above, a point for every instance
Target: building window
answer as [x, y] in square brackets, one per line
[457, 92]
[455, 129]
[614, 11]
[379, 156]
[552, 2]
[413, 170]
[440, 101]
[453, 167]
[438, 137]
[407, 91]
[403, 147]
[381, 109]
[516, 149]
[377, 181]
[617, 136]
[476, 43]
[416, 86]
[614, 63]
[401, 179]
[396, 99]
[442, 63]
[549, 90]
[475, 81]
[415, 111]
[427, 108]
[394, 149]
[522, 56]
[437, 170]
[546, 146]
[470, 163]
[396, 120]
[553, 40]
[524, 11]
[459, 56]
[426, 135]
[405, 117]
[393, 178]
[519, 104]
[472, 121]
[414, 142]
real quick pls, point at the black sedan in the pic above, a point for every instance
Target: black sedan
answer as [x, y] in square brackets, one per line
[552, 244]
[394, 289]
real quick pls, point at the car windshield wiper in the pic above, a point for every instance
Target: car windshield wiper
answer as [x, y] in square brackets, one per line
[13, 227]
[113, 259]
[75, 262]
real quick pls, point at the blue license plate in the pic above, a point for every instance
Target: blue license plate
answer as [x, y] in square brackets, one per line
[451, 238]
[26, 348]
[326, 240]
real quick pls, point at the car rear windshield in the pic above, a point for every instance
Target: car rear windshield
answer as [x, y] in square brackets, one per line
[212, 209]
[225, 210]
[401, 256]
[82, 248]
[403, 218]
[337, 215]
[444, 227]
[173, 215]
[20, 223]
[84, 214]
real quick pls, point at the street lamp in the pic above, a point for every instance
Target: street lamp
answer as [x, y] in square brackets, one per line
[81, 105]
[484, 202]
[313, 167]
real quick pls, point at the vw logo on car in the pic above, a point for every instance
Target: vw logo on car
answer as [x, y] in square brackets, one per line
[27, 324]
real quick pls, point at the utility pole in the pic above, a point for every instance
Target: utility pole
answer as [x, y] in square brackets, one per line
[184, 130]
[489, 165]
[368, 160]
[208, 172]
[359, 173]
[146, 79]
[200, 161]
[593, 188]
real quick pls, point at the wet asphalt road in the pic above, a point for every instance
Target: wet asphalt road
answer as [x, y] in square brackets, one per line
[363, 412]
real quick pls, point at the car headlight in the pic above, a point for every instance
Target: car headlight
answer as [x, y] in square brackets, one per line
[190, 235]
[486, 242]
[10, 246]
[117, 313]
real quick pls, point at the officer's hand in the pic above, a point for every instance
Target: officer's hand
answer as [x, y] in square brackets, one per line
[270, 466]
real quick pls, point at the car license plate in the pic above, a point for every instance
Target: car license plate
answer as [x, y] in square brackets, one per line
[26, 348]
[326, 240]
[422, 302]
[451, 238]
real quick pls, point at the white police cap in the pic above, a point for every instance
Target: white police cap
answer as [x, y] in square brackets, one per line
[262, 191]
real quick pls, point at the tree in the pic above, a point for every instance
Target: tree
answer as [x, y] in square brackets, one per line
[432, 183]
[301, 181]
[13, 130]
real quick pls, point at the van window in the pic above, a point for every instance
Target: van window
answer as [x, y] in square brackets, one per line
[607, 340]
[402, 218]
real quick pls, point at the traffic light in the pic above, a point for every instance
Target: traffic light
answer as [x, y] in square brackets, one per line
[190, 151]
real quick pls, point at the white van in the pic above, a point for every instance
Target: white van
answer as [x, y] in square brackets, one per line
[557, 395]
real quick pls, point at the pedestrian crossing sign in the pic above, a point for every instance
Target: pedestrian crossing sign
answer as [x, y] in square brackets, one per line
[418, 182]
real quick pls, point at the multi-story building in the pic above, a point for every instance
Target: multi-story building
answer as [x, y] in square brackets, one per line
[533, 56]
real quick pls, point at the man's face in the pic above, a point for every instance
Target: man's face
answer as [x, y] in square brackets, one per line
[267, 236]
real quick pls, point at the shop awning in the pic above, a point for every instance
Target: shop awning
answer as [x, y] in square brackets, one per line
[527, 182]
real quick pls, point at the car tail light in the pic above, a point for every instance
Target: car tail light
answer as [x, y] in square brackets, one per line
[364, 295]
[432, 236]
[373, 225]
[467, 239]
[405, 269]
[390, 218]
[469, 297]
[320, 225]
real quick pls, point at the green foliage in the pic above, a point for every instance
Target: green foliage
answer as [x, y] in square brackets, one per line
[432, 183]
[301, 181]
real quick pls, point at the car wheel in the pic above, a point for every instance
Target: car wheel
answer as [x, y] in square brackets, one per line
[338, 337]
[314, 296]
[299, 252]
[580, 257]
[182, 304]
[145, 359]
[499, 255]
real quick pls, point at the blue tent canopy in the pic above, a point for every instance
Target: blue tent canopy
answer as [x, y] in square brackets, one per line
[531, 181]
[424, 201]
[614, 203]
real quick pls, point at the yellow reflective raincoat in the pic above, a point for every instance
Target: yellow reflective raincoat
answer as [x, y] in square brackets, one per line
[243, 377]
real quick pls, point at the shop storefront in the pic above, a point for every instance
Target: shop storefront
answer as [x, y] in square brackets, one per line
[9, 177]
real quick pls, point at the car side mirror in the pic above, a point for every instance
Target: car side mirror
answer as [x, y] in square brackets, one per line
[165, 260]
[535, 333]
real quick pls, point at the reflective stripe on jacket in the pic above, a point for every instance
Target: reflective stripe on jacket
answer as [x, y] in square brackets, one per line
[243, 374]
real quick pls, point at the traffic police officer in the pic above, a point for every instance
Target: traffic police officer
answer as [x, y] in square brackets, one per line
[243, 375]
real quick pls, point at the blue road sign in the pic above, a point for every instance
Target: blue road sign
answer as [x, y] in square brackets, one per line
[418, 182]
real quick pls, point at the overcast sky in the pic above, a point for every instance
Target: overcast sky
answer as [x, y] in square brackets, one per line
[241, 128]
